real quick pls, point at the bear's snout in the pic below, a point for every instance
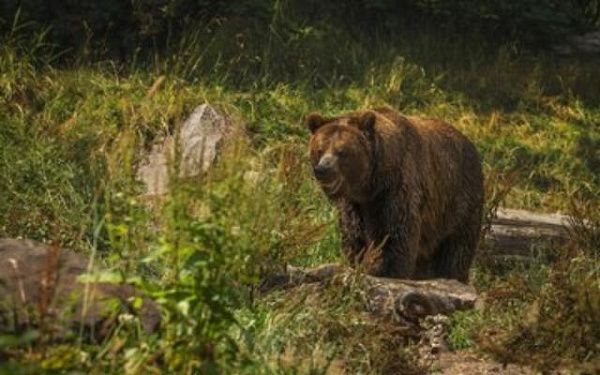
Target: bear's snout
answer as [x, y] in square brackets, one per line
[325, 169]
[321, 172]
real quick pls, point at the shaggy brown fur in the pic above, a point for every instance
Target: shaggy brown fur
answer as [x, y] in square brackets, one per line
[409, 192]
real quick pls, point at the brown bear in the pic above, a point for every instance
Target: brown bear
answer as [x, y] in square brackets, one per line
[409, 192]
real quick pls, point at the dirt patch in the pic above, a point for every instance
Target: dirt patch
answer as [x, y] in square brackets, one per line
[467, 363]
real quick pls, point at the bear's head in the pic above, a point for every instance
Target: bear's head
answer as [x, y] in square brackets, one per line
[341, 154]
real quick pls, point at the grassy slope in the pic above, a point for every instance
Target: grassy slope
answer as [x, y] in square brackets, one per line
[67, 141]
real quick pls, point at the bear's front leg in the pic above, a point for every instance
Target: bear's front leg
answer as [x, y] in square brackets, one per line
[352, 232]
[393, 236]
[401, 251]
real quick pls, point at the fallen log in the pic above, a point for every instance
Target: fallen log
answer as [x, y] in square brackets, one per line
[517, 232]
[402, 301]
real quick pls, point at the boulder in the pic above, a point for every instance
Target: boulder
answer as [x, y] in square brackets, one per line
[41, 288]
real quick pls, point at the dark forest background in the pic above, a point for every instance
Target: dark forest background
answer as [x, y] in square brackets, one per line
[119, 28]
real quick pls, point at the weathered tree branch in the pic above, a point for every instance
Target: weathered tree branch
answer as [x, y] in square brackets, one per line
[397, 299]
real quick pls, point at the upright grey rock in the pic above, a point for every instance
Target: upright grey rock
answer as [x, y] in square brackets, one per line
[200, 139]
[153, 171]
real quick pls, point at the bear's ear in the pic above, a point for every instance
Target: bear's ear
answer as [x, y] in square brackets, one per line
[366, 122]
[314, 121]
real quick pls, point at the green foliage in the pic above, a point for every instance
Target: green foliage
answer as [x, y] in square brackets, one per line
[223, 234]
[463, 324]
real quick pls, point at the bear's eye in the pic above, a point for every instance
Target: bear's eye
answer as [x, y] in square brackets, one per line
[342, 153]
